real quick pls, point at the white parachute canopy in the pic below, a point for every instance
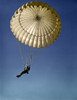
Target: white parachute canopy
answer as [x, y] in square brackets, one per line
[36, 24]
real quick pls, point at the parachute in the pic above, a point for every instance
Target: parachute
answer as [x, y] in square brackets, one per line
[36, 24]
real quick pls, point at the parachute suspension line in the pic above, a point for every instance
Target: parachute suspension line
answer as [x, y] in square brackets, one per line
[38, 54]
[31, 53]
[21, 54]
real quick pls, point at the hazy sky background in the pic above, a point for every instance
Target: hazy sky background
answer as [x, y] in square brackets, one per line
[53, 76]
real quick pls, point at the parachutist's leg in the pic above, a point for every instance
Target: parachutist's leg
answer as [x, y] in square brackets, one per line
[23, 72]
[20, 74]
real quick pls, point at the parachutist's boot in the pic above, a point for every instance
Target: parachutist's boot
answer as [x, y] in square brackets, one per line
[18, 76]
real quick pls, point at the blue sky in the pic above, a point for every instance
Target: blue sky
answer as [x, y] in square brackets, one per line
[53, 76]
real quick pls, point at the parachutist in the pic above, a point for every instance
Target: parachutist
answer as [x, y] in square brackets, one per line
[26, 71]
